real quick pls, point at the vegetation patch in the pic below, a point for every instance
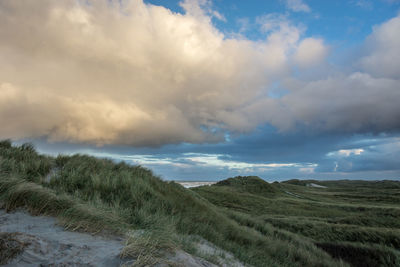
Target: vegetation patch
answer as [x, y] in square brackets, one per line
[10, 247]
[361, 255]
[250, 184]
[360, 217]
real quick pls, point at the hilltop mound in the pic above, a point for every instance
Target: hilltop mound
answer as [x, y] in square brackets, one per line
[250, 184]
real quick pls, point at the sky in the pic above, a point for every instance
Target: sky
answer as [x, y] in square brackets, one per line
[201, 90]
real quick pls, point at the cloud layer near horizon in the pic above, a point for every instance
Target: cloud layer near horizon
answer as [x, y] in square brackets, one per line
[139, 74]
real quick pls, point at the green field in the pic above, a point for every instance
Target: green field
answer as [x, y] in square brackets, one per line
[357, 221]
[342, 223]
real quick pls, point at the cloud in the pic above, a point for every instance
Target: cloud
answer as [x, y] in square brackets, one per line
[346, 152]
[310, 51]
[201, 9]
[216, 160]
[112, 72]
[186, 160]
[382, 57]
[184, 165]
[305, 52]
[126, 73]
[355, 103]
[244, 24]
[365, 4]
[373, 156]
[297, 6]
[361, 101]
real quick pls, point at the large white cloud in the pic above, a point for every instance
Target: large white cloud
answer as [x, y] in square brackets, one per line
[310, 52]
[129, 73]
[363, 100]
[125, 72]
[383, 50]
[350, 103]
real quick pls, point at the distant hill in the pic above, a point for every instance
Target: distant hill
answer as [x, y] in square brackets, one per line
[388, 184]
[249, 184]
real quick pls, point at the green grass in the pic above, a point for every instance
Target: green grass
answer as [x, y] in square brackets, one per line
[74, 214]
[259, 223]
[247, 184]
[93, 194]
[357, 221]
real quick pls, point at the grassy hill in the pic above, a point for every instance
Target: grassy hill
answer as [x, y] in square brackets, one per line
[248, 184]
[357, 221]
[261, 224]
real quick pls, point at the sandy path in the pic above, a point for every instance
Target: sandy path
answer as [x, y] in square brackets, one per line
[51, 245]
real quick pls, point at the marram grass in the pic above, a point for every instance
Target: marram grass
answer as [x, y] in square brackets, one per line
[244, 216]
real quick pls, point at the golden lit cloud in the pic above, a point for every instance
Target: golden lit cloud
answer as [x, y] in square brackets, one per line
[128, 73]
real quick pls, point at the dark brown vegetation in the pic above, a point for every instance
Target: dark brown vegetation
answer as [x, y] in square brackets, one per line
[10, 247]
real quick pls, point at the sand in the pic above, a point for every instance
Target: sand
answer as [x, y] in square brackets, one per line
[51, 245]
